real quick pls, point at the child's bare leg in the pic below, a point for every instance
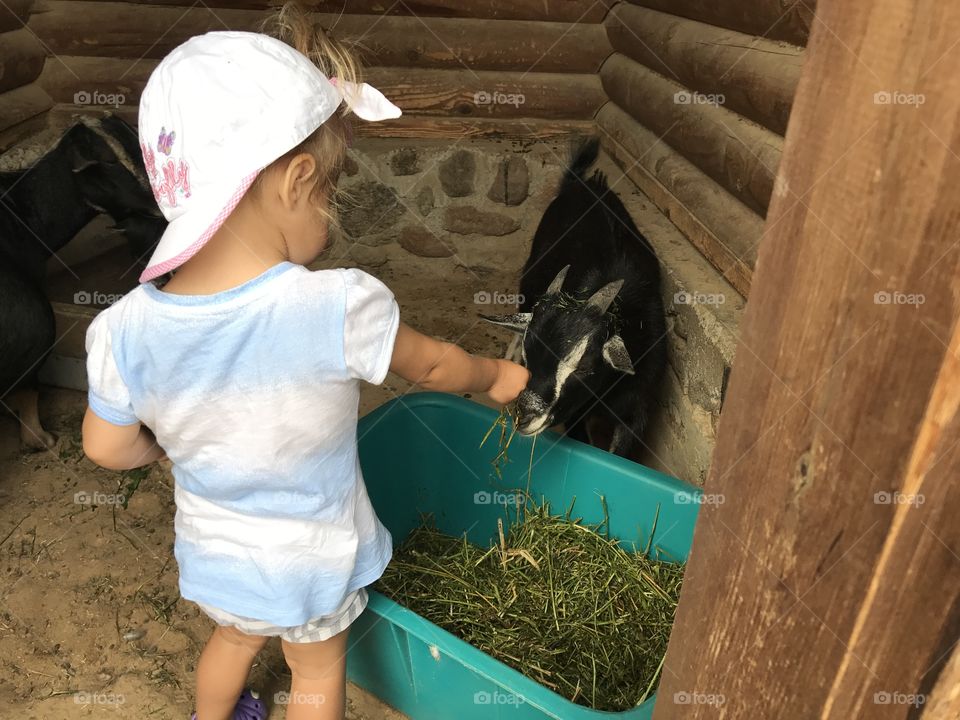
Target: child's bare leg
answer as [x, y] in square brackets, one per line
[222, 671]
[319, 678]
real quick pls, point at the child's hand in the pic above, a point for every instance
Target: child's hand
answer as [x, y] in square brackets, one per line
[511, 380]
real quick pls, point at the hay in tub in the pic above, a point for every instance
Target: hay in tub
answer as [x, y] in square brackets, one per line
[556, 599]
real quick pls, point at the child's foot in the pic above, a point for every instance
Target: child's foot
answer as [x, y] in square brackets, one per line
[248, 707]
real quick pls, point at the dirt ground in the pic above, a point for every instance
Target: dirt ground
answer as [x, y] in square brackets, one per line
[91, 622]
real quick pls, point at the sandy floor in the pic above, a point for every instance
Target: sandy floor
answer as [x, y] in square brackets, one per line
[91, 624]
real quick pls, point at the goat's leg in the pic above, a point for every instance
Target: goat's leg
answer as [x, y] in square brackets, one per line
[25, 403]
[628, 434]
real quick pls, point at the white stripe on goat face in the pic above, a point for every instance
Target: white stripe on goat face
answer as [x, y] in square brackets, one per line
[564, 370]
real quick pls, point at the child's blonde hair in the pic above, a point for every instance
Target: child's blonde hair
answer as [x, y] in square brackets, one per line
[327, 144]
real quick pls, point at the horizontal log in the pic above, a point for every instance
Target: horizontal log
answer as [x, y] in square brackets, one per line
[116, 29]
[22, 130]
[737, 153]
[509, 45]
[583, 11]
[86, 80]
[756, 77]
[569, 11]
[412, 126]
[21, 59]
[22, 104]
[490, 94]
[722, 228]
[14, 14]
[788, 20]
[419, 126]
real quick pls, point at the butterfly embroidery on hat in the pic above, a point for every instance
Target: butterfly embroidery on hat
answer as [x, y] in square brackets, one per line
[165, 142]
[172, 177]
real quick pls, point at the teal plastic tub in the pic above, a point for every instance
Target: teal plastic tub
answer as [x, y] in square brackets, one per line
[420, 454]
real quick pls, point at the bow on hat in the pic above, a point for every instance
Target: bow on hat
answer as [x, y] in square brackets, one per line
[365, 100]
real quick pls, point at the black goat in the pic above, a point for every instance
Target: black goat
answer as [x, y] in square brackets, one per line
[95, 167]
[594, 331]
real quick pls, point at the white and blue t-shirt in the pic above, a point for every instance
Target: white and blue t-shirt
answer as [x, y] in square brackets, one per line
[253, 393]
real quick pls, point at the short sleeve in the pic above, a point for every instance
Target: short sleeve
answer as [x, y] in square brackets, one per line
[370, 323]
[107, 395]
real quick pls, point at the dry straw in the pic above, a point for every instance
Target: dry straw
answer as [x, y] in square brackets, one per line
[559, 600]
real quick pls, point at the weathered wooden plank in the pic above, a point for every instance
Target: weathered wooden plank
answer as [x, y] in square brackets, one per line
[722, 228]
[944, 701]
[826, 584]
[21, 58]
[739, 154]
[755, 77]
[569, 11]
[117, 29]
[22, 104]
[14, 14]
[788, 20]
[22, 130]
[419, 126]
[462, 93]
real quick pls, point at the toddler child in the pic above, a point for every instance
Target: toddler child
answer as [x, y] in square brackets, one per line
[244, 368]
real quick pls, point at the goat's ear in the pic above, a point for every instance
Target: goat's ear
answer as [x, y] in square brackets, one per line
[516, 321]
[85, 148]
[616, 355]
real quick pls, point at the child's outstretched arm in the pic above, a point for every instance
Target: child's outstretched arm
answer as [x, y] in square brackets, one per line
[437, 365]
[118, 447]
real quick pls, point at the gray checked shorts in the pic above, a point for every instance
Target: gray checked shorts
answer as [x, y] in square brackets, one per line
[316, 630]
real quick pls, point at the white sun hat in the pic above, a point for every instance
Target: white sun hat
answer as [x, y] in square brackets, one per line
[215, 112]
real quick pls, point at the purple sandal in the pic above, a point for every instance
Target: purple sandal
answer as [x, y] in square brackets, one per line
[248, 707]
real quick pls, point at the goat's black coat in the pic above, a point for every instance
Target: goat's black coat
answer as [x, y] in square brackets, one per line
[44, 207]
[588, 228]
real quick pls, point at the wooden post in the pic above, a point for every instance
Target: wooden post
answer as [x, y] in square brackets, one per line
[824, 580]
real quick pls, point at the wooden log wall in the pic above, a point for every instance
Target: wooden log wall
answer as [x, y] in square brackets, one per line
[699, 98]
[691, 97]
[22, 101]
[826, 584]
[478, 68]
